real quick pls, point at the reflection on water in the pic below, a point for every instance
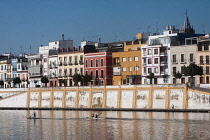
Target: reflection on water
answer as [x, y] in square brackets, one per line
[116, 125]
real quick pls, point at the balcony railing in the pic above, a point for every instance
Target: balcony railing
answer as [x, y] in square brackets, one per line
[116, 73]
[116, 64]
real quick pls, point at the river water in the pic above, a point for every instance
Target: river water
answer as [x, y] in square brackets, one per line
[73, 125]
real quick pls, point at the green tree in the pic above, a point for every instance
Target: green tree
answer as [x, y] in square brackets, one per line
[85, 79]
[16, 80]
[1, 83]
[77, 78]
[45, 80]
[150, 77]
[192, 70]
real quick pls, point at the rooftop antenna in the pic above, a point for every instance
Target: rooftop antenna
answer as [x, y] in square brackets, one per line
[63, 37]
[148, 26]
[20, 49]
[30, 49]
[203, 29]
[156, 27]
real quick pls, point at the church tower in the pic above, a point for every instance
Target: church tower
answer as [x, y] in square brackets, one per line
[187, 27]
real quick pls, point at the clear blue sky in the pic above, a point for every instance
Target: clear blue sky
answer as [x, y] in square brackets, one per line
[26, 23]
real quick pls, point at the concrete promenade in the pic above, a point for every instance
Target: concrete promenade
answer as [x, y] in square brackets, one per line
[110, 109]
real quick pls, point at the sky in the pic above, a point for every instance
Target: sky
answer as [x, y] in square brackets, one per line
[26, 24]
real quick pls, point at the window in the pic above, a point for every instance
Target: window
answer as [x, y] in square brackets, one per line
[156, 70]
[102, 73]
[70, 72]
[182, 58]
[91, 63]
[207, 59]
[149, 70]
[65, 72]
[81, 71]
[124, 59]
[123, 68]
[45, 60]
[182, 69]
[65, 59]
[174, 59]
[102, 62]
[136, 68]
[174, 70]
[207, 69]
[136, 58]
[130, 68]
[155, 51]
[149, 61]
[75, 70]
[191, 57]
[96, 73]
[96, 62]
[86, 63]
[207, 79]
[70, 59]
[129, 59]
[156, 60]
[174, 80]
[149, 52]
[183, 80]
[201, 59]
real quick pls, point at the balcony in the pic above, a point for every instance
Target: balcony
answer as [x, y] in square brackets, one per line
[201, 62]
[174, 61]
[183, 61]
[75, 63]
[64, 63]
[116, 73]
[70, 64]
[116, 64]
[81, 62]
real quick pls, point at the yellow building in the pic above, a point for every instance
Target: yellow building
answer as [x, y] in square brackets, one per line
[127, 65]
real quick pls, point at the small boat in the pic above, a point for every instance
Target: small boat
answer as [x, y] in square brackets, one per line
[33, 117]
[95, 118]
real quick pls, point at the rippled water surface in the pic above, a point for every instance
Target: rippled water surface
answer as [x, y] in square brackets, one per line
[73, 125]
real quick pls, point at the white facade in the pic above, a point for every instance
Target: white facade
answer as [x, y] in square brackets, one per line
[156, 57]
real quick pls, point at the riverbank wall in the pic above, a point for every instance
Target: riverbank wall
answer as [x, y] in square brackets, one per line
[112, 97]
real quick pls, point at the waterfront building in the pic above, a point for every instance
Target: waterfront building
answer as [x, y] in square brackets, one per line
[203, 59]
[70, 62]
[5, 70]
[156, 56]
[181, 56]
[53, 72]
[99, 66]
[127, 64]
[35, 68]
[20, 69]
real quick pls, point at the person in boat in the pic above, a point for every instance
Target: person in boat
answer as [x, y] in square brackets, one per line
[96, 116]
[34, 114]
[172, 106]
[92, 115]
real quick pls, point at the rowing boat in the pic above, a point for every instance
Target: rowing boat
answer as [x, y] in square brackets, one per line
[33, 118]
[95, 118]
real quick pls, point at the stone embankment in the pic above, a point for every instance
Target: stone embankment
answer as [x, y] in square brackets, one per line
[109, 109]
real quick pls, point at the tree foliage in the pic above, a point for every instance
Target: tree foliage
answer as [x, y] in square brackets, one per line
[77, 78]
[45, 80]
[192, 70]
[150, 76]
[16, 80]
[1, 83]
[178, 75]
[85, 79]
